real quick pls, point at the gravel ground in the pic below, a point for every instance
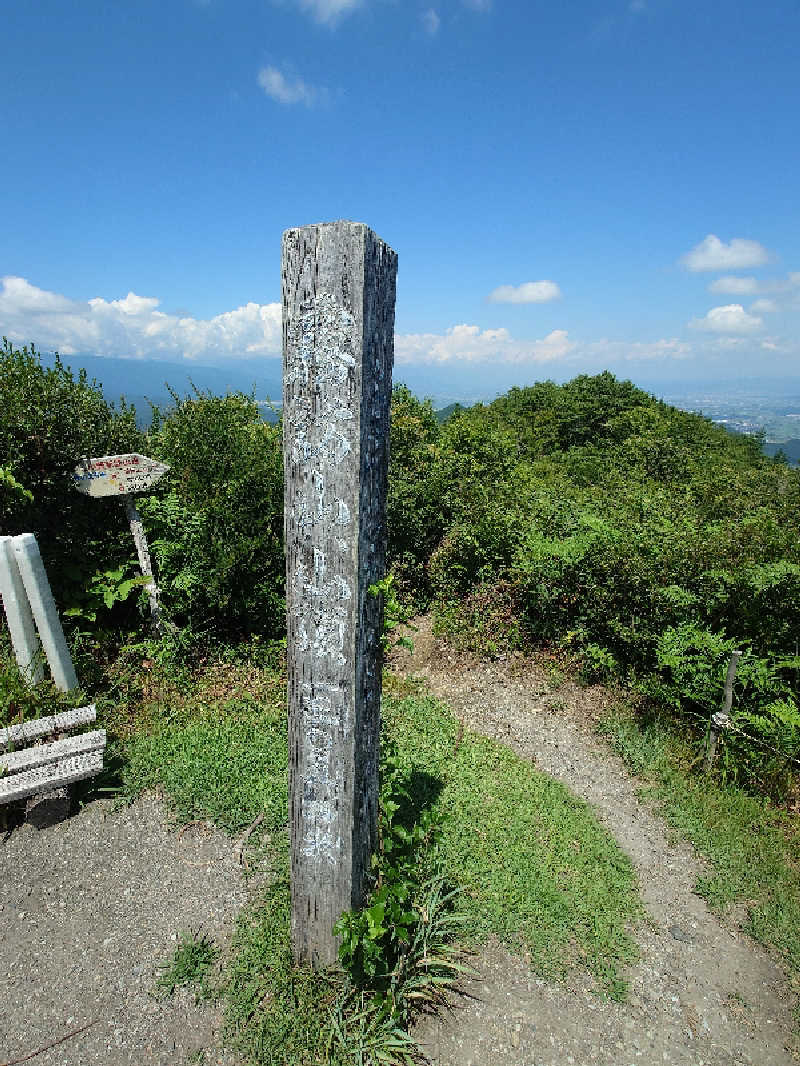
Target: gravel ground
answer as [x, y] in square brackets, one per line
[702, 993]
[90, 910]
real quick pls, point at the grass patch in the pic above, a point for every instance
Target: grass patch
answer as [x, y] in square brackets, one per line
[752, 845]
[191, 964]
[531, 864]
[228, 768]
[536, 868]
[20, 702]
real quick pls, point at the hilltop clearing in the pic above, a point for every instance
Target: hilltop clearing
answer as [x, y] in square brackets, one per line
[702, 991]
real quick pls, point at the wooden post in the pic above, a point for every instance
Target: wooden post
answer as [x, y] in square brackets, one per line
[338, 288]
[142, 550]
[45, 612]
[27, 649]
[720, 719]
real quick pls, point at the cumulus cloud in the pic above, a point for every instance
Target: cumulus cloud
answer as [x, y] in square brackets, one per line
[328, 11]
[714, 254]
[470, 344]
[732, 318]
[734, 286]
[134, 327]
[431, 21]
[288, 90]
[530, 292]
[787, 291]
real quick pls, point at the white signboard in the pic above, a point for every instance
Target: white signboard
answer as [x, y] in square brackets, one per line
[115, 475]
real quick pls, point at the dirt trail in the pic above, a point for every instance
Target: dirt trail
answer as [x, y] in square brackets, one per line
[701, 994]
[90, 910]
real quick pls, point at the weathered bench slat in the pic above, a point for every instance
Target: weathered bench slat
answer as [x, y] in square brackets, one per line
[42, 727]
[46, 778]
[43, 754]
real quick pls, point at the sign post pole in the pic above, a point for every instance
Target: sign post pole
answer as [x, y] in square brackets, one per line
[338, 283]
[142, 550]
[123, 475]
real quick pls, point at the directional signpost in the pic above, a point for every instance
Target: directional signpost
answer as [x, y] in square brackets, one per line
[123, 475]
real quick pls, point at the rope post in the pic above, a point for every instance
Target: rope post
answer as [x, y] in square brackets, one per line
[720, 720]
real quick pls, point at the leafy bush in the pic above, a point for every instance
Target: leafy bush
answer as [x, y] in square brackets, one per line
[49, 420]
[690, 676]
[217, 532]
[414, 513]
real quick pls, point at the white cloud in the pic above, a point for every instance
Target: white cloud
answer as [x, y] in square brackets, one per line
[607, 352]
[134, 327]
[661, 349]
[470, 344]
[329, 10]
[530, 292]
[289, 90]
[729, 319]
[478, 5]
[431, 21]
[20, 295]
[786, 289]
[734, 286]
[637, 6]
[713, 254]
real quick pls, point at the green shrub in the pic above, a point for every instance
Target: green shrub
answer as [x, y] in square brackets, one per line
[49, 420]
[217, 531]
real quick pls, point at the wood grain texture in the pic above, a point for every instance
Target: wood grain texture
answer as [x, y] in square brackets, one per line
[143, 552]
[338, 283]
[55, 775]
[26, 732]
[41, 754]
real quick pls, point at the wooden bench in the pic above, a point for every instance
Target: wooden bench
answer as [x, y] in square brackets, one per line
[42, 768]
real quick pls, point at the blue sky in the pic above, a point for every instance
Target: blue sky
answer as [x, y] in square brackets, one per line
[569, 188]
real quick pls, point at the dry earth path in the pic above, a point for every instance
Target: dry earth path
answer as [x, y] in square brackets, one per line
[702, 993]
[90, 910]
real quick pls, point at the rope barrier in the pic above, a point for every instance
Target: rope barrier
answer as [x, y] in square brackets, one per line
[723, 723]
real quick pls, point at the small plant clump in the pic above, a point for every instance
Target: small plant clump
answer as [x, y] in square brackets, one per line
[191, 965]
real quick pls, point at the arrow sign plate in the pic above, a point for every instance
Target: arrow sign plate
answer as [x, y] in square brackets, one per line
[115, 475]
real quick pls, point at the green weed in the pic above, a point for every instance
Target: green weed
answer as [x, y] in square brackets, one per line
[535, 868]
[191, 964]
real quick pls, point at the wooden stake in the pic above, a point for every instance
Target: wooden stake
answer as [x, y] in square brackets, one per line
[142, 550]
[338, 284]
[721, 719]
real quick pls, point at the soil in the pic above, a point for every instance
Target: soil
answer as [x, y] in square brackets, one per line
[91, 910]
[702, 991]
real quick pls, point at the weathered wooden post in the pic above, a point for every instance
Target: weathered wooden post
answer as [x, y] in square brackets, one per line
[338, 288]
[44, 610]
[720, 720]
[19, 615]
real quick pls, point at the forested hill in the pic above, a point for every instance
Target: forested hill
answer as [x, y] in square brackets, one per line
[642, 537]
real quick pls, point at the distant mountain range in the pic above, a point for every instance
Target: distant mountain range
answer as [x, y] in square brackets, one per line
[139, 380]
[743, 406]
